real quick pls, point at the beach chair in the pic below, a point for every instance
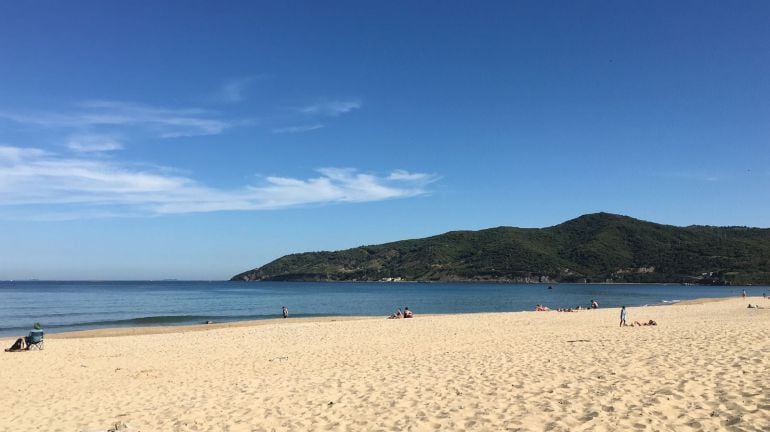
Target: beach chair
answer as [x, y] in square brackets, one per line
[35, 340]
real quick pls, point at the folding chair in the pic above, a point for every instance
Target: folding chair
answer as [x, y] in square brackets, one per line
[35, 340]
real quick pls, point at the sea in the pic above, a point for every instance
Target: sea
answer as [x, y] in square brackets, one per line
[72, 306]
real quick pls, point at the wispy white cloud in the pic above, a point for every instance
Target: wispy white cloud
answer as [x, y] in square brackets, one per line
[310, 115]
[692, 176]
[93, 143]
[331, 108]
[165, 122]
[233, 89]
[401, 175]
[34, 182]
[298, 129]
[11, 154]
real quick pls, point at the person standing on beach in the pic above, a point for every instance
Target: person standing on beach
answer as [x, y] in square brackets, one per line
[622, 316]
[285, 311]
[743, 294]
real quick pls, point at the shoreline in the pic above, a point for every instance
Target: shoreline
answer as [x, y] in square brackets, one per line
[185, 328]
[109, 332]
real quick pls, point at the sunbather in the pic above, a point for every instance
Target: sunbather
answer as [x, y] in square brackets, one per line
[648, 323]
[19, 345]
[23, 343]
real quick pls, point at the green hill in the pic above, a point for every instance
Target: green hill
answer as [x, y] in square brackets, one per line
[597, 247]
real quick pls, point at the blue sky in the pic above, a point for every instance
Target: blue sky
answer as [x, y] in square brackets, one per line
[195, 140]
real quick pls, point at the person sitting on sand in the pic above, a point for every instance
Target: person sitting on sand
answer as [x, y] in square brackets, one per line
[408, 313]
[19, 345]
[22, 343]
[594, 304]
[541, 308]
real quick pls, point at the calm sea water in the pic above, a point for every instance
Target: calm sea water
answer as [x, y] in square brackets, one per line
[68, 306]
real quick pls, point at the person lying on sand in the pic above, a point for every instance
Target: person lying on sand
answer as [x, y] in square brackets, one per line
[541, 308]
[648, 323]
[396, 315]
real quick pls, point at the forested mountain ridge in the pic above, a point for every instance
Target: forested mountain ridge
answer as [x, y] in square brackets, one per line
[598, 247]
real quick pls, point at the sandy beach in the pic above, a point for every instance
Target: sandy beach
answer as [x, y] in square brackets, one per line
[706, 366]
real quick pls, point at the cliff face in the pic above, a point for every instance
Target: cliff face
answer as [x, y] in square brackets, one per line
[597, 247]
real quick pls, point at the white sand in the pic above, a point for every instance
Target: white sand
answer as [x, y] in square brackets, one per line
[705, 366]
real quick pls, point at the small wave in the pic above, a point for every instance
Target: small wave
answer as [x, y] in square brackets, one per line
[141, 321]
[670, 301]
[148, 321]
[160, 319]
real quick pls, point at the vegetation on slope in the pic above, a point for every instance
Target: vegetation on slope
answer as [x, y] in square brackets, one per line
[597, 247]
